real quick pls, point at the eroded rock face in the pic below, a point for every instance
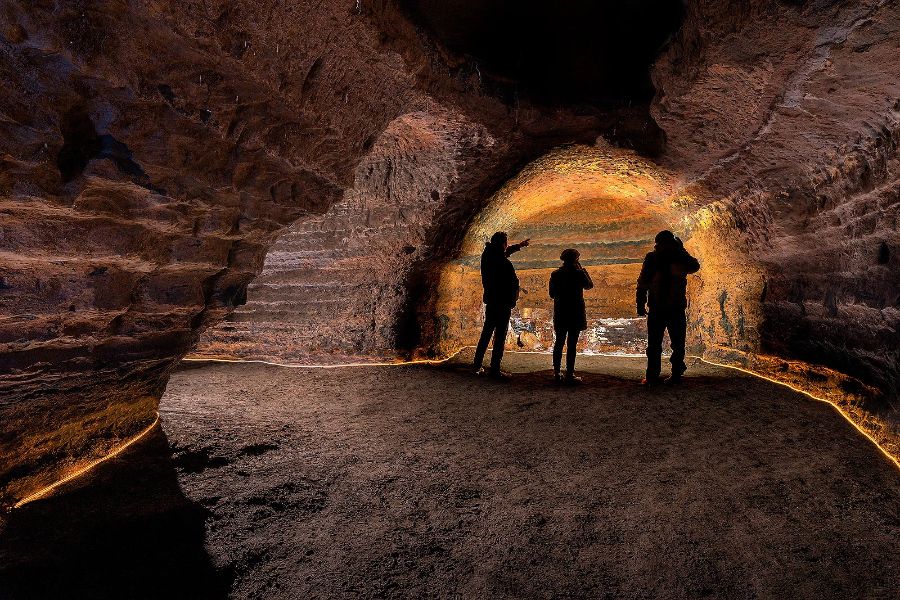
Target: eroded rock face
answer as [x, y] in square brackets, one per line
[790, 116]
[335, 284]
[143, 178]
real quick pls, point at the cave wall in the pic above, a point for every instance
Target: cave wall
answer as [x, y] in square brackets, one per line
[151, 153]
[332, 286]
[789, 115]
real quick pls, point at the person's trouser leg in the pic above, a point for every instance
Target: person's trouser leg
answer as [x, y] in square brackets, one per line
[656, 326]
[677, 326]
[558, 348]
[571, 351]
[485, 339]
[502, 323]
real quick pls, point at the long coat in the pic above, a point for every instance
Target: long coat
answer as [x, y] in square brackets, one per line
[567, 285]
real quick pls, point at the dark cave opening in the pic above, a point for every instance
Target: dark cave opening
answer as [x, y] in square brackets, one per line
[560, 52]
[82, 144]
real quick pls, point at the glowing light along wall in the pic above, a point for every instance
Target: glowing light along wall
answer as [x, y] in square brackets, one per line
[609, 203]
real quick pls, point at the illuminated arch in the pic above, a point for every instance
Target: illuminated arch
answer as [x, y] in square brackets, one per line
[609, 203]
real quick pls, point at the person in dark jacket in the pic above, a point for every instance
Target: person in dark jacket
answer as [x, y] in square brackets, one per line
[567, 285]
[662, 286]
[501, 292]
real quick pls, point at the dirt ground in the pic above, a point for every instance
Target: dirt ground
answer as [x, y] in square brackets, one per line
[426, 481]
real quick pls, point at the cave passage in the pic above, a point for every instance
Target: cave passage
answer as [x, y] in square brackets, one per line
[313, 182]
[607, 203]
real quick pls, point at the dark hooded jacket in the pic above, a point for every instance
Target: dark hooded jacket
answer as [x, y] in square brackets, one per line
[567, 285]
[498, 276]
[662, 283]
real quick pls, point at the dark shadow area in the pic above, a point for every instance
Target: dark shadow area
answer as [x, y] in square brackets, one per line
[601, 382]
[570, 51]
[82, 144]
[124, 531]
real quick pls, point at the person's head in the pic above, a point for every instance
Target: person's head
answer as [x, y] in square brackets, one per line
[666, 239]
[569, 256]
[500, 240]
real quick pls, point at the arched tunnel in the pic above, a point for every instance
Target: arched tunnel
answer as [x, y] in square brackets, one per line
[312, 184]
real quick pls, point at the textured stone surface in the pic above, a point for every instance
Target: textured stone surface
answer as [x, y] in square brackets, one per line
[790, 117]
[335, 284]
[143, 179]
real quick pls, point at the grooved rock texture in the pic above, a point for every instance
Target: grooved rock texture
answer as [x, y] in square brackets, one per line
[142, 179]
[335, 284]
[144, 176]
[790, 117]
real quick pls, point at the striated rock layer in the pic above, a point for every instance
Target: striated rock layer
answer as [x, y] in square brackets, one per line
[790, 116]
[334, 284]
[152, 152]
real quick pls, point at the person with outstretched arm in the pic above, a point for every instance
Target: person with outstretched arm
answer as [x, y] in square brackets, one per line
[567, 285]
[662, 298]
[501, 292]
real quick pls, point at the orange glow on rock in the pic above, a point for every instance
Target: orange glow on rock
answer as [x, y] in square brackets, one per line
[609, 203]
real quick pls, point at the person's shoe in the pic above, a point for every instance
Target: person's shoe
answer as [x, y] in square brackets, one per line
[499, 375]
[557, 378]
[673, 379]
[479, 371]
[572, 379]
[649, 382]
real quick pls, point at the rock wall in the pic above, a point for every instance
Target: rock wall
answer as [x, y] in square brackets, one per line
[334, 285]
[790, 116]
[151, 153]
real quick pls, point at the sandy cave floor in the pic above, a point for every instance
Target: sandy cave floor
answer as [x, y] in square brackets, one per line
[426, 481]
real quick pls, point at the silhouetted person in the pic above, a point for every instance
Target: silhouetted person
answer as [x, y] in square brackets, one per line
[567, 285]
[662, 286]
[501, 291]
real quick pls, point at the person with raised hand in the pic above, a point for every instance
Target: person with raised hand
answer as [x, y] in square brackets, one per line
[501, 292]
[567, 285]
[662, 288]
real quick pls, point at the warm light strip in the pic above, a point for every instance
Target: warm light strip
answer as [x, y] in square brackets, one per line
[44, 491]
[807, 394]
[398, 363]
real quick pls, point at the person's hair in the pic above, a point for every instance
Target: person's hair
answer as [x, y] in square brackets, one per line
[665, 236]
[499, 238]
[569, 255]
